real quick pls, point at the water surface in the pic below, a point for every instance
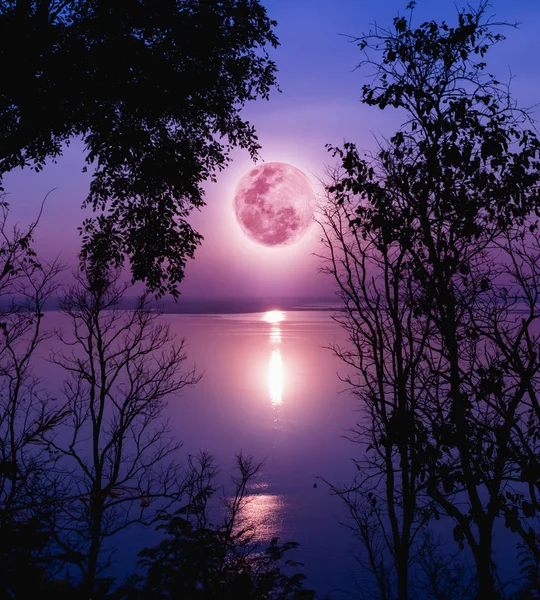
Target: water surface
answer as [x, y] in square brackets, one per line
[270, 388]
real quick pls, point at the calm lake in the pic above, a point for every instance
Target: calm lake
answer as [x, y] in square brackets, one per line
[270, 388]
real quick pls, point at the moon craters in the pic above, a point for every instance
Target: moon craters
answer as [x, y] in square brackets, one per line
[274, 204]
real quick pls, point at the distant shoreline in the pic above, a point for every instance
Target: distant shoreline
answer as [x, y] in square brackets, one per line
[247, 305]
[223, 306]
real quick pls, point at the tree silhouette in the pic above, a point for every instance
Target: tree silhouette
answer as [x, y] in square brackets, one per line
[202, 558]
[442, 270]
[26, 413]
[154, 90]
[385, 350]
[118, 460]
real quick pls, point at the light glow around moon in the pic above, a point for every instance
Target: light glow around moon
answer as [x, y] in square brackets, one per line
[274, 204]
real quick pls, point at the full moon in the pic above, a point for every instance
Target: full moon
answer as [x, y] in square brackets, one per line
[273, 203]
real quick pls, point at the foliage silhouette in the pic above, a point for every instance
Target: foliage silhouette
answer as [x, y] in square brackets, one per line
[432, 242]
[155, 90]
[203, 559]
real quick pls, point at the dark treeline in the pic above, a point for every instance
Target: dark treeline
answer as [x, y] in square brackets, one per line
[434, 244]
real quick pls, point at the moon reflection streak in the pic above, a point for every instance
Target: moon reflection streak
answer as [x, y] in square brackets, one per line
[275, 334]
[275, 377]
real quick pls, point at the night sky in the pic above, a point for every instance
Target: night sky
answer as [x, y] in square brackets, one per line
[318, 104]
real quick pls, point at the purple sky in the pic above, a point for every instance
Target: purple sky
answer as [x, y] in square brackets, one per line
[318, 105]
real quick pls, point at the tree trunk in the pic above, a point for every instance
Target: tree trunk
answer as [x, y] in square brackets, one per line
[403, 575]
[486, 585]
[484, 571]
[95, 546]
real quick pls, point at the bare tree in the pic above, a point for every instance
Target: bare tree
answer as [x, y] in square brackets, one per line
[440, 574]
[118, 455]
[476, 466]
[387, 344]
[513, 382]
[26, 410]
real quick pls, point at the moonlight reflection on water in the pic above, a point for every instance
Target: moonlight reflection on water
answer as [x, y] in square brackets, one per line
[231, 410]
[275, 377]
[266, 512]
[275, 367]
